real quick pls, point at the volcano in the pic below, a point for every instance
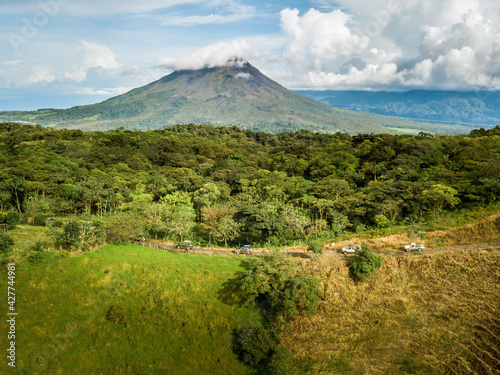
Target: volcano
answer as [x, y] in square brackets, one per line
[236, 94]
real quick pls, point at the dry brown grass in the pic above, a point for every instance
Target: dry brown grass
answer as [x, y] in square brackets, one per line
[482, 231]
[422, 314]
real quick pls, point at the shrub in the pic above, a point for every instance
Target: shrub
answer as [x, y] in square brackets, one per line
[41, 219]
[12, 218]
[6, 243]
[123, 226]
[259, 347]
[315, 247]
[58, 223]
[37, 255]
[365, 262]
[115, 314]
[254, 345]
[37, 246]
[71, 233]
[278, 285]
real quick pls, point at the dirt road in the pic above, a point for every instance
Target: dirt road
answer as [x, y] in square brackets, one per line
[301, 252]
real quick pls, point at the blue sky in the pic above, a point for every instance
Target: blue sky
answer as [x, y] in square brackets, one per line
[61, 53]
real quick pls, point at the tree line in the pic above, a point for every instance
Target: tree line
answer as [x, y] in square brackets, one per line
[233, 184]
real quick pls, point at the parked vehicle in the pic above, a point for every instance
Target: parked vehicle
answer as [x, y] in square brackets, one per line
[186, 245]
[351, 249]
[246, 249]
[414, 247]
[139, 238]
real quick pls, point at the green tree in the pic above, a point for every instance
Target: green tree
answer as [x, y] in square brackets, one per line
[122, 226]
[381, 221]
[219, 223]
[71, 233]
[278, 285]
[438, 196]
[365, 262]
[181, 221]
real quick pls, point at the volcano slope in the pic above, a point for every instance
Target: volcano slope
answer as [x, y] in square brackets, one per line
[236, 94]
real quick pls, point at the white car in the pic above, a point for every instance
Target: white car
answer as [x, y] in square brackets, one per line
[414, 247]
[351, 249]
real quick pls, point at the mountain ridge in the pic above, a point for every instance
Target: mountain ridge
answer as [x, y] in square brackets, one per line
[460, 107]
[235, 94]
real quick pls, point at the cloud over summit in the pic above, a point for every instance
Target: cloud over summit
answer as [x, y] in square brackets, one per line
[211, 56]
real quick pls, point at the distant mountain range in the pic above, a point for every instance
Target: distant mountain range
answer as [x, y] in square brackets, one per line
[235, 94]
[459, 107]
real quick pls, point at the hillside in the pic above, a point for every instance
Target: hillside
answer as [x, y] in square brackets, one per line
[130, 309]
[235, 94]
[421, 314]
[124, 310]
[470, 108]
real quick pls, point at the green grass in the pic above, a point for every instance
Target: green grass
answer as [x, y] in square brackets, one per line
[125, 310]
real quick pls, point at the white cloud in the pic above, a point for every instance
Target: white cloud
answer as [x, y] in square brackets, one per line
[222, 12]
[99, 8]
[369, 77]
[106, 92]
[465, 54]
[245, 76]
[40, 74]
[205, 20]
[450, 44]
[213, 55]
[95, 56]
[130, 70]
[316, 38]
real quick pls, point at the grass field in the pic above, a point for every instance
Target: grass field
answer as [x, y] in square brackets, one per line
[125, 310]
[134, 310]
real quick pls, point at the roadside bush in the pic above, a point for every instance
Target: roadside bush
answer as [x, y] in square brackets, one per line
[57, 223]
[365, 262]
[123, 226]
[315, 247]
[6, 243]
[41, 219]
[12, 218]
[71, 233]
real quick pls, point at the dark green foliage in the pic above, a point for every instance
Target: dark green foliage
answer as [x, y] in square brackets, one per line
[280, 289]
[58, 223]
[71, 233]
[315, 247]
[12, 218]
[115, 314]
[258, 347]
[37, 247]
[254, 345]
[6, 243]
[120, 228]
[278, 285]
[36, 257]
[365, 262]
[278, 187]
[41, 219]
[37, 254]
